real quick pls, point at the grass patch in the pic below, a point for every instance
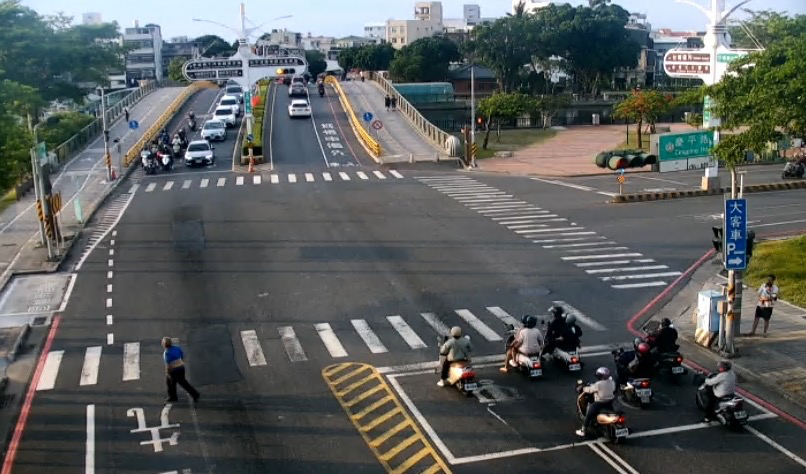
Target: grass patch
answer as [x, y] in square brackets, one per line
[8, 199]
[512, 140]
[786, 259]
[632, 142]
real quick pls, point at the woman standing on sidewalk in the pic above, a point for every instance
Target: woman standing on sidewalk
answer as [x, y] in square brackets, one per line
[767, 296]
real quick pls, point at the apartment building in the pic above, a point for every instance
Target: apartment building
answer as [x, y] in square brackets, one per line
[427, 23]
[179, 47]
[144, 60]
[375, 30]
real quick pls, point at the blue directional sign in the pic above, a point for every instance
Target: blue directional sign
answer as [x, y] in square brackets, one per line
[250, 138]
[368, 117]
[735, 234]
[134, 125]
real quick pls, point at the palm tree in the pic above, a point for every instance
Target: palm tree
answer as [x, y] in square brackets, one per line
[520, 10]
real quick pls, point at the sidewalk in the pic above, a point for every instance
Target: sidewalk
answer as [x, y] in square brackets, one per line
[569, 153]
[83, 185]
[397, 137]
[777, 361]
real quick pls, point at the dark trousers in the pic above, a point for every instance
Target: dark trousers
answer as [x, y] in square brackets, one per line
[446, 367]
[594, 408]
[177, 377]
[710, 405]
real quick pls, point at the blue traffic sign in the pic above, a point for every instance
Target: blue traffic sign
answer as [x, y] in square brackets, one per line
[368, 117]
[735, 234]
[134, 125]
[250, 138]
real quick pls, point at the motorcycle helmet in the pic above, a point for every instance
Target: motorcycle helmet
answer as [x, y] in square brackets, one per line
[665, 322]
[557, 311]
[643, 348]
[724, 365]
[524, 319]
[531, 322]
[571, 319]
[603, 373]
[636, 342]
[456, 332]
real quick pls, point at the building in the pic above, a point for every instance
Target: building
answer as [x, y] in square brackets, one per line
[283, 37]
[91, 18]
[180, 47]
[428, 11]
[323, 44]
[643, 74]
[471, 14]
[375, 30]
[356, 41]
[427, 23]
[530, 6]
[144, 60]
[485, 81]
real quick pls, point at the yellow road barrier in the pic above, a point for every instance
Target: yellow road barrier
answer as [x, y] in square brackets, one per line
[372, 145]
[373, 408]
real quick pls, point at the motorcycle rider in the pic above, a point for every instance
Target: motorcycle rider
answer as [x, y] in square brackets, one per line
[603, 391]
[555, 329]
[637, 362]
[455, 349]
[176, 145]
[666, 337]
[720, 385]
[321, 89]
[570, 340]
[529, 341]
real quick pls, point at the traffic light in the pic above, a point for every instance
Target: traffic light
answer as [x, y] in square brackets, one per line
[285, 71]
[718, 238]
[751, 242]
[480, 120]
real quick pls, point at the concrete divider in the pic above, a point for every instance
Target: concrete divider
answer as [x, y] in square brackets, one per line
[365, 138]
[753, 188]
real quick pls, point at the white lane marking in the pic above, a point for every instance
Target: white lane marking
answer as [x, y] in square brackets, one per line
[330, 340]
[368, 335]
[514, 210]
[598, 249]
[648, 284]
[344, 176]
[111, 252]
[379, 174]
[186, 184]
[239, 181]
[552, 230]
[109, 288]
[479, 326]
[168, 186]
[50, 370]
[640, 276]
[396, 174]
[327, 176]
[131, 361]
[406, 332]
[612, 458]
[109, 320]
[525, 219]
[92, 361]
[516, 228]
[600, 264]
[473, 192]
[586, 244]
[309, 177]
[110, 274]
[89, 450]
[292, 178]
[581, 317]
[292, 346]
[775, 445]
[568, 185]
[133, 188]
[597, 257]
[628, 269]
[780, 223]
[204, 183]
[110, 262]
[589, 233]
[109, 302]
[257, 179]
[150, 187]
[112, 242]
[221, 182]
[275, 179]
[432, 179]
[494, 204]
[110, 338]
[492, 199]
[362, 175]
[503, 316]
[433, 321]
[463, 188]
[251, 344]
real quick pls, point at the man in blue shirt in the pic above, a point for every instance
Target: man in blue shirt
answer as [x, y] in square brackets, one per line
[175, 371]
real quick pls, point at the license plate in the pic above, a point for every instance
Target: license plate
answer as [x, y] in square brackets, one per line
[644, 399]
[574, 367]
[644, 393]
[740, 415]
[622, 432]
[677, 370]
[471, 386]
[535, 373]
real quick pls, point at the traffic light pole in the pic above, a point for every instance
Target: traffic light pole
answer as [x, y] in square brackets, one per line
[472, 112]
[733, 318]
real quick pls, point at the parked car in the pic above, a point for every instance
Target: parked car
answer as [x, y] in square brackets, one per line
[232, 102]
[199, 153]
[299, 108]
[214, 130]
[226, 115]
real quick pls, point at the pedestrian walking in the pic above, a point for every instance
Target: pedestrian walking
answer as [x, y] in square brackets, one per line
[767, 296]
[387, 101]
[175, 371]
[394, 103]
[126, 113]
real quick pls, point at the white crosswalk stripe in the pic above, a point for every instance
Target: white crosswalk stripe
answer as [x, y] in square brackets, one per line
[293, 348]
[328, 177]
[596, 255]
[433, 320]
[406, 332]
[582, 318]
[478, 325]
[92, 362]
[362, 175]
[251, 345]
[186, 184]
[368, 335]
[378, 174]
[239, 181]
[221, 182]
[204, 183]
[256, 179]
[277, 178]
[344, 176]
[505, 317]
[168, 186]
[292, 178]
[309, 177]
[47, 379]
[150, 187]
[396, 174]
[330, 340]
[131, 361]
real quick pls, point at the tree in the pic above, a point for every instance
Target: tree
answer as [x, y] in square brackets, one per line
[643, 107]
[503, 46]
[767, 27]
[212, 45]
[425, 60]
[598, 3]
[175, 69]
[547, 107]
[694, 120]
[370, 57]
[499, 107]
[316, 62]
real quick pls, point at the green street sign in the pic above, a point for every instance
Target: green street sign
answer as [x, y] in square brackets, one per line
[728, 57]
[42, 152]
[706, 111]
[684, 146]
[247, 100]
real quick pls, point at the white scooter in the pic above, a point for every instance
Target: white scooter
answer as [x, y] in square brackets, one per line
[461, 374]
[529, 365]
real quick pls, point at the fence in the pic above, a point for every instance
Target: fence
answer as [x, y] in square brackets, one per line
[371, 144]
[434, 134]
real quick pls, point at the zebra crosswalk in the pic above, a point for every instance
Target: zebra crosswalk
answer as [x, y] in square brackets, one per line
[301, 343]
[179, 183]
[597, 255]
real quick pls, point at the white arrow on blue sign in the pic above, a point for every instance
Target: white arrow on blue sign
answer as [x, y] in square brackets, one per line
[368, 116]
[735, 234]
[250, 138]
[134, 125]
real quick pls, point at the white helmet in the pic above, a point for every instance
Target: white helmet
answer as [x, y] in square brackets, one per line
[456, 331]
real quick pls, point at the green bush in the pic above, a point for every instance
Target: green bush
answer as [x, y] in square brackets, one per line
[59, 127]
[259, 114]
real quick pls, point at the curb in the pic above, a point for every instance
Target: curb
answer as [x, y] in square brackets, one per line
[15, 348]
[753, 188]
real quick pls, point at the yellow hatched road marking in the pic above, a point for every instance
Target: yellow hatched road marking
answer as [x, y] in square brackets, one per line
[390, 432]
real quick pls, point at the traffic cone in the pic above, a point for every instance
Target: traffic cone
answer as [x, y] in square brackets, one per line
[251, 164]
[114, 176]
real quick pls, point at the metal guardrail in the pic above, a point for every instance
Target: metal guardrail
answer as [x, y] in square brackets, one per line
[371, 144]
[133, 155]
[435, 135]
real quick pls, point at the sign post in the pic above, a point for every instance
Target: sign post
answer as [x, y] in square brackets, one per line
[621, 179]
[735, 251]
[247, 100]
[685, 151]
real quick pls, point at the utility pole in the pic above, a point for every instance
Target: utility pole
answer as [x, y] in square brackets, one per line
[473, 111]
[107, 156]
[36, 171]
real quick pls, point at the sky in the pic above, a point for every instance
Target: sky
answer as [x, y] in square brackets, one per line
[332, 18]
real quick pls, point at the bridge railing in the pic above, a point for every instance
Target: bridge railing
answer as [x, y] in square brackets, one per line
[366, 139]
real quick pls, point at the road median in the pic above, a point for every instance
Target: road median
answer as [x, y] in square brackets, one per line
[665, 195]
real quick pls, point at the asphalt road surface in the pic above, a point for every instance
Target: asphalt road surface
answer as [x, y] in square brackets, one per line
[269, 285]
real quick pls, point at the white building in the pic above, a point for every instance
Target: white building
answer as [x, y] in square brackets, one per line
[471, 14]
[427, 23]
[531, 6]
[375, 30]
[323, 44]
[144, 61]
[91, 18]
[284, 37]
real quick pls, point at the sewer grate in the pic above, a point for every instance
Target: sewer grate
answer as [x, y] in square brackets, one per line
[39, 321]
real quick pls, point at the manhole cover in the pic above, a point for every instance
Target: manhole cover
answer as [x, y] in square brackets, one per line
[39, 321]
[536, 291]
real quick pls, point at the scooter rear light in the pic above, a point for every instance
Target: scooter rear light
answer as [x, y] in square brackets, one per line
[621, 420]
[536, 365]
[645, 384]
[679, 360]
[575, 360]
[468, 374]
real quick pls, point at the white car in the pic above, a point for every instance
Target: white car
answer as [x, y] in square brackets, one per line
[199, 153]
[299, 108]
[232, 102]
[226, 115]
[214, 130]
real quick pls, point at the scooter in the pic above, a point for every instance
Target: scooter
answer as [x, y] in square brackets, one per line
[530, 366]
[670, 363]
[149, 163]
[794, 169]
[729, 410]
[167, 161]
[321, 92]
[610, 423]
[192, 124]
[461, 374]
[637, 390]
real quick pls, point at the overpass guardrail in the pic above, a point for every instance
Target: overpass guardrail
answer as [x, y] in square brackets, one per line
[366, 139]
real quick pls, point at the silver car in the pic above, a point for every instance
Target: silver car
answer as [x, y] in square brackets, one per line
[199, 153]
[296, 89]
[214, 130]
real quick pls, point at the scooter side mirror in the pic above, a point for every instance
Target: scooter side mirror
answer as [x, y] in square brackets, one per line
[511, 327]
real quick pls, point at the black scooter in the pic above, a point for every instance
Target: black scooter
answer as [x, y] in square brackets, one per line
[794, 169]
